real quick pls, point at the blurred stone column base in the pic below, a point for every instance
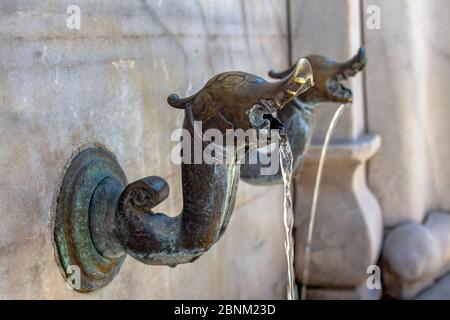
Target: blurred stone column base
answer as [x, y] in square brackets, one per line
[359, 293]
[348, 230]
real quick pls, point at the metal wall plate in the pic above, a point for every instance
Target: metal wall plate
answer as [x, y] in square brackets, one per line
[72, 238]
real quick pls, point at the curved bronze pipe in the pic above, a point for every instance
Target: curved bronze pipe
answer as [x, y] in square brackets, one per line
[298, 115]
[208, 200]
[226, 102]
[99, 218]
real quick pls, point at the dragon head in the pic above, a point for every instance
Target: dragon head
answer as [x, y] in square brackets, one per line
[328, 78]
[238, 101]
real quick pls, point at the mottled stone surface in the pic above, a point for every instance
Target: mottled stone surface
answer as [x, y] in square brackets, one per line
[108, 83]
[416, 255]
[411, 174]
[439, 291]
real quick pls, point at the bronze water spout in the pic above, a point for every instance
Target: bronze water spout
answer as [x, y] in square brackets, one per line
[298, 115]
[99, 219]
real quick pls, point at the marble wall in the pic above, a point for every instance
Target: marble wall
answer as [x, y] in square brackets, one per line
[108, 83]
[408, 105]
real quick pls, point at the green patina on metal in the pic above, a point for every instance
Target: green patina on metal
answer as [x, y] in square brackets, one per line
[72, 235]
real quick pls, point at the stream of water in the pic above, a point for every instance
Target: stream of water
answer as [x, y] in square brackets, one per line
[312, 216]
[286, 159]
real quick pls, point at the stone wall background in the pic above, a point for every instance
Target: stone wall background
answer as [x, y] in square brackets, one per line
[108, 83]
[408, 104]
[413, 46]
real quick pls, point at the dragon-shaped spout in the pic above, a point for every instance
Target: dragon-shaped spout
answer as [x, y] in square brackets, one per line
[232, 100]
[100, 218]
[298, 115]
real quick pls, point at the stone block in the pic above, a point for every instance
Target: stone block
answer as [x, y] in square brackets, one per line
[358, 293]
[415, 256]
